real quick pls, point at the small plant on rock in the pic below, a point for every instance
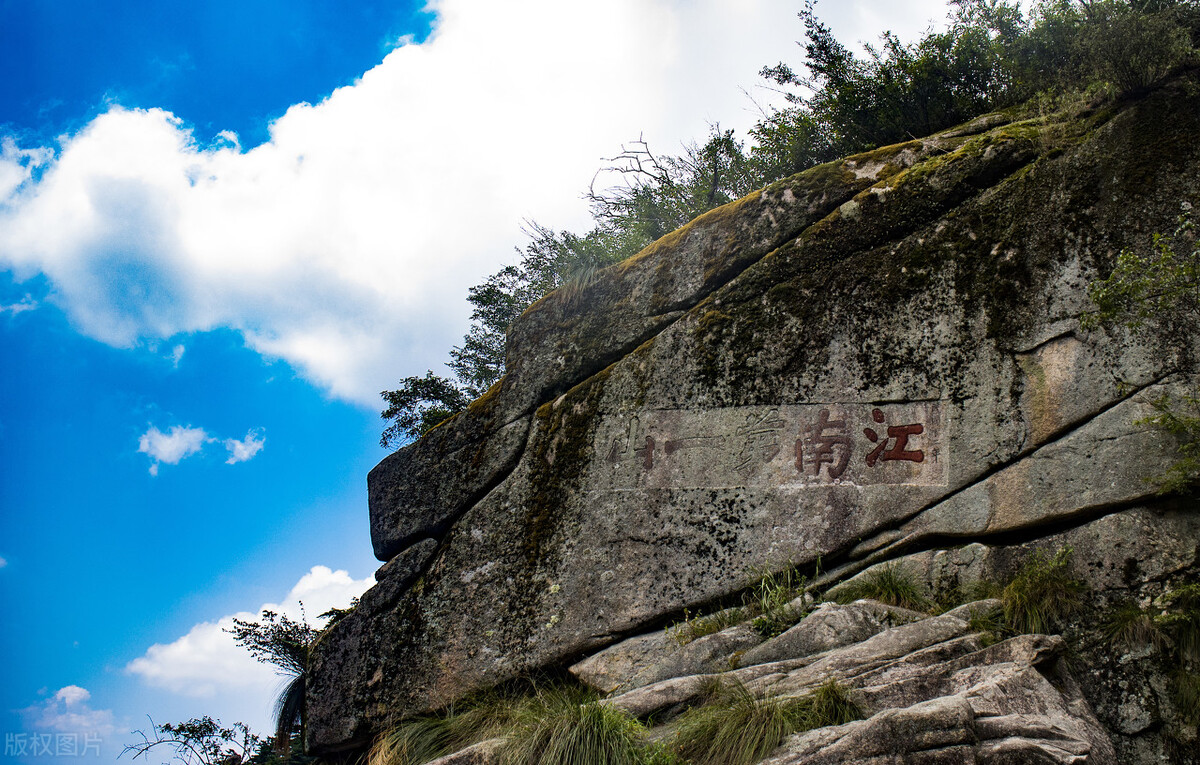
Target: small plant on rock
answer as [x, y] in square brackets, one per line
[889, 584]
[696, 627]
[771, 600]
[1042, 594]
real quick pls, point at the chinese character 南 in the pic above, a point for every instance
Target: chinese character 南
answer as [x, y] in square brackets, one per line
[898, 450]
[828, 443]
[759, 438]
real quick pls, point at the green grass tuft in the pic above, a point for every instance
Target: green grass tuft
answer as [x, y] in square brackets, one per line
[1185, 692]
[696, 627]
[1042, 594]
[889, 584]
[563, 725]
[770, 597]
[1131, 626]
[412, 743]
[1180, 619]
[732, 727]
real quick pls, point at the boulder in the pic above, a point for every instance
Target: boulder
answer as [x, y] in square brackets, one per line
[829, 626]
[647, 659]
[853, 365]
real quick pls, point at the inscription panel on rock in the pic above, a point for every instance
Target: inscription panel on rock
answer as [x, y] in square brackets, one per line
[789, 445]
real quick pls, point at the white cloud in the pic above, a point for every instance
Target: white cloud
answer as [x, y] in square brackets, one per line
[173, 446]
[206, 662]
[26, 303]
[345, 244]
[241, 451]
[3, 562]
[67, 711]
[17, 165]
[177, 355]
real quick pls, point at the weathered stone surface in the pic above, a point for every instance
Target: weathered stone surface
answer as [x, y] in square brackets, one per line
[798, 676]
[394, 577]
[1012, 702]
[829, 626]
[554, 345]
[933, 695]
[907, 368]
[483, 753]
[412, 495]
[647, 659]
[615, 666]
[1124, 556]
[967, 611]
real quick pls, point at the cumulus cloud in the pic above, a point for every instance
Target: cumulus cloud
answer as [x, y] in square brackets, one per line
[346, 243]
[241, 451]
[206, 662]
[179, 443]
[171, 447]
[68, 711]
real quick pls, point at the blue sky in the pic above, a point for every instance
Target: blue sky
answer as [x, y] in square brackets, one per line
[224, 227]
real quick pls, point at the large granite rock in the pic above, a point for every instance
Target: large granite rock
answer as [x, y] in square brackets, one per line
[858, 363]
[647, 659]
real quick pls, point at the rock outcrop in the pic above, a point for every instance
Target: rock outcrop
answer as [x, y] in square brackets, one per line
[878, 360]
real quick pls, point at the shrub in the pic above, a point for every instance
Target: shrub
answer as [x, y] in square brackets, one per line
[1131, 48]
[1042, 594]
[889, 584]
[732, 727]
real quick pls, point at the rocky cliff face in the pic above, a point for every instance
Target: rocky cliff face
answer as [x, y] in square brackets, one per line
[879, 359]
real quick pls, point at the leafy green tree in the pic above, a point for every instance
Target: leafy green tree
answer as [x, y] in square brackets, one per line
[419, 405]
[285, 643]
[899, 91]
[1156, 292]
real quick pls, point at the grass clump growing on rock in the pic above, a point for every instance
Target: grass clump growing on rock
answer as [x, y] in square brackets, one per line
[771, 600]
[490, 714]
[562, 725]
[1042, 594]
[411, 743]
[696, 627]
[550, 724]
[1132, 625]
[733, 727]
[889, 584]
